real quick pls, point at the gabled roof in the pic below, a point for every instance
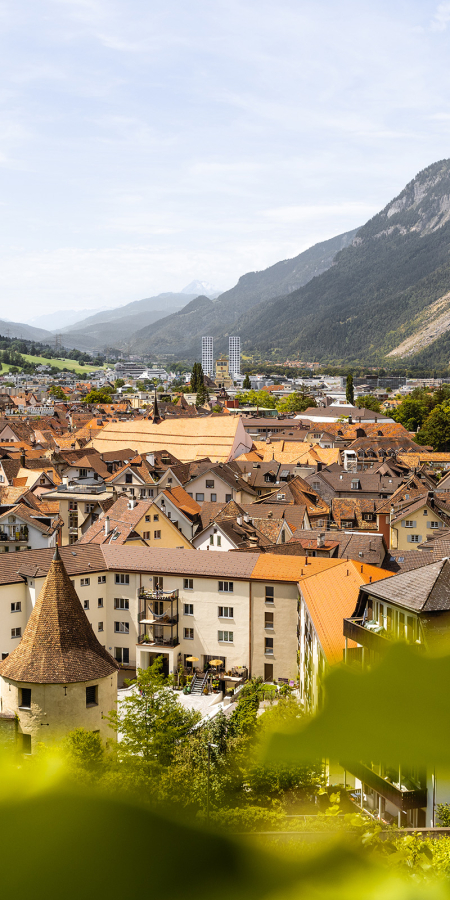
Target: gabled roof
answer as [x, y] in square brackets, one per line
[426, 589]
[58, 645]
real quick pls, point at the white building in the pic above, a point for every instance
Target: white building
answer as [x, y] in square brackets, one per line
[208, 356]
[234, 356]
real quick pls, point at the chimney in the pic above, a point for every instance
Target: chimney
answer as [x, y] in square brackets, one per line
[239, 520]
[65, 481]
[247, 518]
[106, 525]
[350, 420]
[269, 514]
[319, 467]
[131, 503]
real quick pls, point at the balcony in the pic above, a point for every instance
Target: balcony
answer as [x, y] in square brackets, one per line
[156, 594]
[13, 534]
[356, 631]
[151, 641]
[402, 799]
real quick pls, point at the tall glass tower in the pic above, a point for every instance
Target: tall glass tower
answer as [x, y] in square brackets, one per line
[234, 356]
[208, 356]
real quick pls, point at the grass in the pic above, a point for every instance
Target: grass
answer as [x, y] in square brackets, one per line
[57, 363]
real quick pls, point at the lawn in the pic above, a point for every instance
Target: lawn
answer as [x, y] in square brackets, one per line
[57, 363]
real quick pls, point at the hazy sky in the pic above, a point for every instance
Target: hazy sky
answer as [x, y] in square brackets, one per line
[144, 144]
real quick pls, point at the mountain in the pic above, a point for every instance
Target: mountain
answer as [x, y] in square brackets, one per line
[198, 288]
[20, 330]
[61, 318]
[113, 327]
[180, 334]
[387, 295]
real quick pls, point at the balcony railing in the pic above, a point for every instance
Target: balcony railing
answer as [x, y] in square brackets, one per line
[356, 631]
[156, 594]
[402, 799]
[146, 639]
[14, 535]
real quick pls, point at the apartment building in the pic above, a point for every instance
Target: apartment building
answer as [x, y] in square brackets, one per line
[144, 602]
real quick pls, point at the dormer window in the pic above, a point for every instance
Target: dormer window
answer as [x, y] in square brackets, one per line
[355, 484]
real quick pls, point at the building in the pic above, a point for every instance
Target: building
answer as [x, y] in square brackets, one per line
[223, 377]
[208, 356]
[59, 677]
[234, 356]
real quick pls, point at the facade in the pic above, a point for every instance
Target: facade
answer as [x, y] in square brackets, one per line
[208, 356]
[234, 356]
[223, 376]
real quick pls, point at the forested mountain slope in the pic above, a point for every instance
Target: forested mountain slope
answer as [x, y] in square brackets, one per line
[181, 333]
[380, 290]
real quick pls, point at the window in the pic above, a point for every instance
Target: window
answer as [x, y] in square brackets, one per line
[189, 609]
[414, 538]
[158, 607]
[355, 485]
[101, 579]
[269, 594]
[121, 627]
[128, 478]
[268, 647]
[268, 620]
[16, 607]
[199, 498]
[156, 517]
[188, 584]
[158, 583]
[225, 612]
[85, 582]
[26, 743]
[85, 604]
[211, 539]
[213, 498]
[157, 535]
[121, 579]
[281, 496]
[409, 523]
[209, 483]
[100, 626]
[91, 695]
[225, 637]
[121, 603]
[16, 632]
[434, 524]
[316, 484]
[219, 540]
[188, 634]
[73, 506]
[88, 507]
[82, 473]
[122, 655]
[25, 698]
[425, 512]
[147, 535]
[226, 587]
[100, 601]
[148, 518]
[228, 497]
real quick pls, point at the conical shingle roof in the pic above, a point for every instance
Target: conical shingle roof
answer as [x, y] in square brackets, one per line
[58, 645]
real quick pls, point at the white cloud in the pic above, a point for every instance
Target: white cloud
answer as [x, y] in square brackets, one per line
[441, 17]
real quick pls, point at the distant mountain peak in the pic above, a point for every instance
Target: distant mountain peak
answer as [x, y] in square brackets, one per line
[201, 287]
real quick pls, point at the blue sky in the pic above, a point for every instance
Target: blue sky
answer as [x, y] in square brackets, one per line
[144, 144]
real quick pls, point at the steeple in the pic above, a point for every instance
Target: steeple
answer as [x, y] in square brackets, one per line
[156, 416]
[58, 645]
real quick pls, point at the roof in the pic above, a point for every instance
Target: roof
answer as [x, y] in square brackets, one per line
[187, 439]
[58, 645]
[330, 596]
[271, 567]
[426, 589]
[195, 562]
[181, 499]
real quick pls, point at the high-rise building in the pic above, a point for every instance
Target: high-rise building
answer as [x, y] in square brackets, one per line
[234, 356]
[208, 356]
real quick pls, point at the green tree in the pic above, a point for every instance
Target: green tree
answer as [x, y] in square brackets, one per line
[98, 396]
[411, 413]
[295, 403]
[349, 391]
[436, 429]
[119, 382]
[246, 383]
[256, 398]
[202, 394]
[57, 392]
[369, 402]
[150, 719]
[197, 377]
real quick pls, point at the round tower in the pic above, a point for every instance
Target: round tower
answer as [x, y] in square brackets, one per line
[59, 677]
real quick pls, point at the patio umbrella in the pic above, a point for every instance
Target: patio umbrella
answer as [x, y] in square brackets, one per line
[216, 662]
[192, 659]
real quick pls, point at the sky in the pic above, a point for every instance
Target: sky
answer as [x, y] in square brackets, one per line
[145, 144]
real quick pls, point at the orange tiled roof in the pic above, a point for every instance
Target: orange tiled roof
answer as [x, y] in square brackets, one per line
[272, 567]
[331, 596]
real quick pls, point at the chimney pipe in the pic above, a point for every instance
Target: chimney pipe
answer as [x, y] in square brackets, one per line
[106, 525]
